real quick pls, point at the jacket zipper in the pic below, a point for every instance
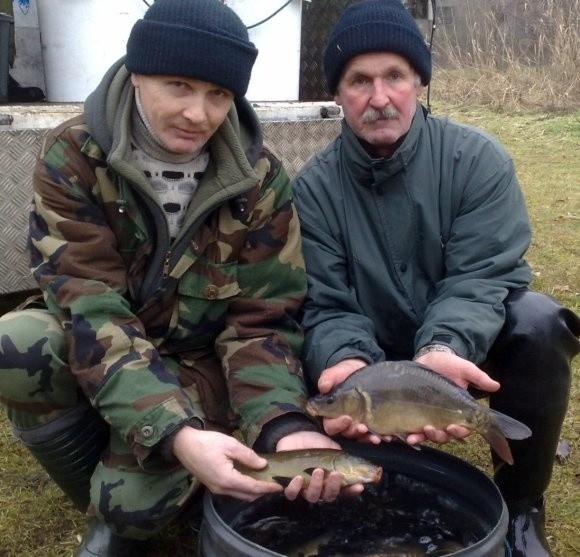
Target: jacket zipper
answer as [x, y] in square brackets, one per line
[165, 272]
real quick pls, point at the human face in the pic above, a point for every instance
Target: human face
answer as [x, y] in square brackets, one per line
[378, 94]
[183, 113]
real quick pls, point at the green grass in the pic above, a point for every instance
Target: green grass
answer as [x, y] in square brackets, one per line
[37, 521]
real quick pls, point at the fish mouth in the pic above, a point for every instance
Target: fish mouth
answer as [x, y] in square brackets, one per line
[310, 408]
[376, 477]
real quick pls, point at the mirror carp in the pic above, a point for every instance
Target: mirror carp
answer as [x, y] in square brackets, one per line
[401, 397]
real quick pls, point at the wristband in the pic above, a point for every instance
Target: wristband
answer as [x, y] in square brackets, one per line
[434, 348]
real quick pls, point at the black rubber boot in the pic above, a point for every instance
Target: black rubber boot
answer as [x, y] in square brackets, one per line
[100, 541]
[526, 532]
[531, 359]
[19, 94]
[68, 449]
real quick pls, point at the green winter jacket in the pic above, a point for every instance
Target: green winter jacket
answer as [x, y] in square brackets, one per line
[419, 248]
[131, 303]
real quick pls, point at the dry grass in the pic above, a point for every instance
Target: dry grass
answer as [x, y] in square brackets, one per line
[510, 54]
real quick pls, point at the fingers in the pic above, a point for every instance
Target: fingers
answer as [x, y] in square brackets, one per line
[458, 431]
[416, 438]
[315, 489]
[459, 370]
[325, 384]
[353, 490]
[294, 488]
[440, 436]
[331, 487]
[482, 380]
[240, 486]
[436, 435]
[371, 438]
[345, 426]
[337, 373]
[247, 456]
[251, 494]
[321, 487]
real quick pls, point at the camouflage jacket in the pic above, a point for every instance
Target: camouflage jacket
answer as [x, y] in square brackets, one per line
[228, 286]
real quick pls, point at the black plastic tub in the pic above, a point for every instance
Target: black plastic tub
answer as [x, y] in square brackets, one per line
[469, 491]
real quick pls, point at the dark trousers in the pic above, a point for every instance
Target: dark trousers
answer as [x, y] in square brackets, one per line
[531, 358]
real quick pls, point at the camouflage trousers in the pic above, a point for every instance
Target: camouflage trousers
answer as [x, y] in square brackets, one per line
[38, 391]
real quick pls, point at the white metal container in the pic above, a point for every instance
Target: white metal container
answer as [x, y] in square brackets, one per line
[81, 39]
[276, 74]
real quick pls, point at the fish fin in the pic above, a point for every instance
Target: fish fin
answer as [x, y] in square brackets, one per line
[510, 427]
[503, 426]
[403, 438]
[282, 480]
[285, 480]
[286, 406]
[498, 443]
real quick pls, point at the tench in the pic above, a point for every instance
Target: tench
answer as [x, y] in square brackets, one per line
[396, 398]
[285, 465]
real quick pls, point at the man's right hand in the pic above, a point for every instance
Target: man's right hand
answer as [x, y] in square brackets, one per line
[209, 456]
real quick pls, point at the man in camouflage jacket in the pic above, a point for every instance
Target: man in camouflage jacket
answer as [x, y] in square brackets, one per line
[158, 337]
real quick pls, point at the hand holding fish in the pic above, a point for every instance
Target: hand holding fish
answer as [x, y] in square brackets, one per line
[210, 457]
[462, 372]
[314, 465]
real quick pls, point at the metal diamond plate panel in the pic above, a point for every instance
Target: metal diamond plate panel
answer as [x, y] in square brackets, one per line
[18, 150]
[296, 141]
[318, 18]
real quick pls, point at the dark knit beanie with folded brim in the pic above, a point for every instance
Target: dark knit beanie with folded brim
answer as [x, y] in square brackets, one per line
[375, 26]
[198, 39]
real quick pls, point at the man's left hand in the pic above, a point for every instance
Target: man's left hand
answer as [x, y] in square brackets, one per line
[462, 372]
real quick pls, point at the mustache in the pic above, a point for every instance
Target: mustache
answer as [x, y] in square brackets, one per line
[372, 115]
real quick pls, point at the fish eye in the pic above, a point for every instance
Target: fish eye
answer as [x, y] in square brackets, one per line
[330, 400]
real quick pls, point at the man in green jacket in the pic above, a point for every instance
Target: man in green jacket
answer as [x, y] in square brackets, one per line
[165, 242]
[414, 234]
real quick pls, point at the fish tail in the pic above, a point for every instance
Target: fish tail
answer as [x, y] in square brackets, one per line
[511, 428]
[501, 428]
[494, 436]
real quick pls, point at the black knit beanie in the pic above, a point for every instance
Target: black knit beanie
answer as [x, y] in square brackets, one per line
[374, 26]
[199, 39]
